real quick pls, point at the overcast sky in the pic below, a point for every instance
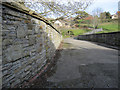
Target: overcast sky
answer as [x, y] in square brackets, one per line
[106, 5]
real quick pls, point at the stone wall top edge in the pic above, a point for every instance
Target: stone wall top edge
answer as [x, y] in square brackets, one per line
[21, 8]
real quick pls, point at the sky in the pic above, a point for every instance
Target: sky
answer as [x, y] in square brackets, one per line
[105, 5]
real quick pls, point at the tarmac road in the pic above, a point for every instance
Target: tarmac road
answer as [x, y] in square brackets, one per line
[83, 64]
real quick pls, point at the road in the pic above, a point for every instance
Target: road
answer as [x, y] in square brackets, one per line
[83, 64]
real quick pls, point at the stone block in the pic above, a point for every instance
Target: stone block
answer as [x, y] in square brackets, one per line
[8, 22]
[6, 66]
[0, 62]
[32, 39]
[14, 52]
[7, 42]
[21, 31]
[38, 39]
[31, 60]
[0, 19]
[19, 73]
[12, 35]
[5, 33]
[5, 72]
[20, 41]
[38, 47]
[11, 77]
[28, 72]
[23, 75]
[30, 26]
[28, 68]
[13, 13]
[8, 78]
[1, 83]
[17, 81]
[37, 29]
[30, 32]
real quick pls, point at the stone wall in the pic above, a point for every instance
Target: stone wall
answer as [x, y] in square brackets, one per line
[112, 38]
[27, 45]
[0, 48]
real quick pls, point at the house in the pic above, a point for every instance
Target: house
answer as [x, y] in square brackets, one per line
[88, 18]
[62, 23]
[58, 23]
[115, 16]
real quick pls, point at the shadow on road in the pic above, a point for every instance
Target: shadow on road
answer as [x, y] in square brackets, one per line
[81, 68]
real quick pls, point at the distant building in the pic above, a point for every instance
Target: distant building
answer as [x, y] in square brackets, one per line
[58, 23]
[88, 18]
[62, 23]
[115, 16]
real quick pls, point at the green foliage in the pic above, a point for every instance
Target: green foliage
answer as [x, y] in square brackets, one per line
[81, 21]
[105, 16]
[108, 16]
[85, 25]
[76, 32]
[109, 27]
[81, 15]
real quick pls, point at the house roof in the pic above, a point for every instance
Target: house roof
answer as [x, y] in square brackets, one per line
[88, 18]
[57, 21]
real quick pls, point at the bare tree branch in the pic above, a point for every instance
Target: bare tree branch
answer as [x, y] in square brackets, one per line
[59, 8]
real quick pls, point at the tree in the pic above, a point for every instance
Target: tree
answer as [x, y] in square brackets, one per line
[81, 14]
[108, 15]
[102, 16]
[58, 8]
[105, 15]
[96, 15]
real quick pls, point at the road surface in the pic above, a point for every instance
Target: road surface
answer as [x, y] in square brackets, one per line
[82, 64]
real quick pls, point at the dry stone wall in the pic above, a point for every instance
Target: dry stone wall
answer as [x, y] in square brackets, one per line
[0, 47]
[27, 45]
[112, 38]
